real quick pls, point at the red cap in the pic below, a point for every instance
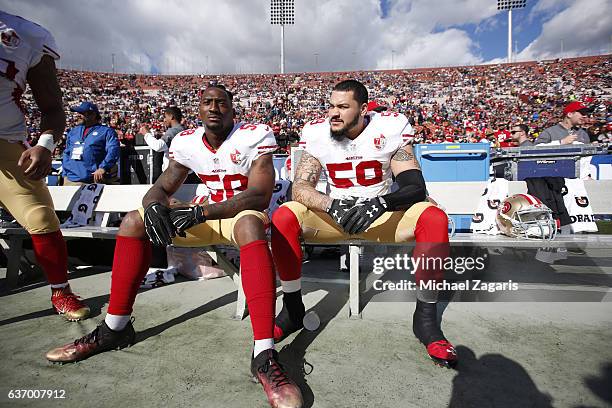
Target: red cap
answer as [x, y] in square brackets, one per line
[375, 106]
[574, 107]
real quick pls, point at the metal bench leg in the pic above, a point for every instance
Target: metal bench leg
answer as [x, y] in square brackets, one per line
[242, 310]
[354, 307]
[241, 306]
[14, 251]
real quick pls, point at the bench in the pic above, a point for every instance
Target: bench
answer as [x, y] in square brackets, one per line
[114, 199]
[462, 198]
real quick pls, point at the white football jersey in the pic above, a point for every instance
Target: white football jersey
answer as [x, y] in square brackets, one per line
[23, 44]
[359, 167]
[224, 171]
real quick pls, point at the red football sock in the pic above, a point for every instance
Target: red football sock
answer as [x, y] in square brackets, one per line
[431, 236]
[286, 247]
[130, 265]
[257, 273]
[52, 256]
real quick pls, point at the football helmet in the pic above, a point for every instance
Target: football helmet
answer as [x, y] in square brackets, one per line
[525, 216]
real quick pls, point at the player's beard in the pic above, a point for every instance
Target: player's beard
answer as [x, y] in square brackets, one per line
[340, 135]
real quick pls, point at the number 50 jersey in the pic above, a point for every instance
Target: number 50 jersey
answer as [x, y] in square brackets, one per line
[224, 171]
[359, 167]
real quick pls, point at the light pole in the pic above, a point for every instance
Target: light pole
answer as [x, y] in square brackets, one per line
[113, 62]
[392, 58]
[316, 55]
[282, 13]
[510, 5]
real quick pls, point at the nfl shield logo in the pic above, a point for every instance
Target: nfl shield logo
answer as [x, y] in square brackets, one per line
[235, 157]
[380, 141]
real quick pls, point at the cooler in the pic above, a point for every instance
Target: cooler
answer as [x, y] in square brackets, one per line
[454, 162]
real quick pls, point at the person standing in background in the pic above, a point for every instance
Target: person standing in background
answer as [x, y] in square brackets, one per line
[92, 149]
[160, 144]
[569, 129]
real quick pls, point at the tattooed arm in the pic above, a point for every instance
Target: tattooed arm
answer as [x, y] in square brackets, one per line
[403, 160]
[166, 185]
[409, 178]
[255, 197]
[304, 189]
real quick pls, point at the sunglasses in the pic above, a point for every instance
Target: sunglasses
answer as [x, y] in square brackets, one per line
[515, 131]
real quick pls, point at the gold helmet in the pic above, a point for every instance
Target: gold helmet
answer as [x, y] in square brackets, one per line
[525, 216]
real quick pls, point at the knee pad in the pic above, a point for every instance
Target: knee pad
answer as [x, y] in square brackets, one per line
[432, 226]
[40, 220]
[284, 219]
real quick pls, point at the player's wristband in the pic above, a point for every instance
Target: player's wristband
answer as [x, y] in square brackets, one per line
[46, 140]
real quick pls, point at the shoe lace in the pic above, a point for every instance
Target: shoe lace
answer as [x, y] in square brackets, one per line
[275, 372]
[68, 301]
[88, 338]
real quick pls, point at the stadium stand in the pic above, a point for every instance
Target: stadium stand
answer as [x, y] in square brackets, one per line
[455, 104]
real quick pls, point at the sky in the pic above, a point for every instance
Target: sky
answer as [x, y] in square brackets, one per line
[235, 36]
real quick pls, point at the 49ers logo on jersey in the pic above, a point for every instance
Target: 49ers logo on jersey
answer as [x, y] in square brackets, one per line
[380, 142]
[236, 156]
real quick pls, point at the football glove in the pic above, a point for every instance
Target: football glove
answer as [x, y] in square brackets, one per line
[361, 216]
[339, 207]
[158, 225]
[184, 218]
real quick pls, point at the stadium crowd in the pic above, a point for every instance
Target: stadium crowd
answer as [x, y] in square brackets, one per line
[458, 104]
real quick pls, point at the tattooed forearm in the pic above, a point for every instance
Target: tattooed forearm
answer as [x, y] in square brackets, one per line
[305, 181]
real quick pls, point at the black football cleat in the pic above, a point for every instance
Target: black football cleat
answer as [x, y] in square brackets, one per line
[426, 328]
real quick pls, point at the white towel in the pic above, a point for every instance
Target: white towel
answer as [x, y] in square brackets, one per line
[483, 221]
[83, 208]
[578, 206]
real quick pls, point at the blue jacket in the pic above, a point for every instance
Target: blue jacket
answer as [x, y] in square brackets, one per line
[100, 150]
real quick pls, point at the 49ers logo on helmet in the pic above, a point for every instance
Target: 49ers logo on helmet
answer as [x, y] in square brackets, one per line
[506, 207]
[380, 142]
[236, 157]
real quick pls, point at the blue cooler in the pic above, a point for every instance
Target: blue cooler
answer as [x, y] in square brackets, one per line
[455, 162]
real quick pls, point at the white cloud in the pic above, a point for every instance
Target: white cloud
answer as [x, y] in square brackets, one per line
[236, 36]
[584, 28]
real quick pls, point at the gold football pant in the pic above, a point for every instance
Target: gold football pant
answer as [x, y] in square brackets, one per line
[29, 201]
[213, 232]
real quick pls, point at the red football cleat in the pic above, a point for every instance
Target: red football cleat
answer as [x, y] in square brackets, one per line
[281, 391]
[68, 304]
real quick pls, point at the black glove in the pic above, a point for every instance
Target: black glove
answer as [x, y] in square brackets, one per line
[184, 218]
[339, 207]
[362, 215]
[158, 225]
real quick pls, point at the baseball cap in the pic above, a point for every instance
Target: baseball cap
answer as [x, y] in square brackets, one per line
[85, 107]
[375, 106]
[575, 107]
